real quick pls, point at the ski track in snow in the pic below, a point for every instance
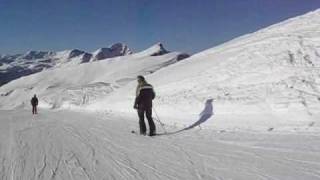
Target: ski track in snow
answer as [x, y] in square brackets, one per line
[75, 146]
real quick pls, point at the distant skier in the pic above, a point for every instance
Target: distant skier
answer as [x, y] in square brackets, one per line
[143, 103]
[34, 103]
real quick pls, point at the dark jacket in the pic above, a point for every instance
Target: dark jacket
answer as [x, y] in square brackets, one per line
[34, 101]
[145, 95]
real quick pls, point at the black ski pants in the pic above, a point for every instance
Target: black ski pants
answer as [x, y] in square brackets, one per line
[141, 112]
[34, 110]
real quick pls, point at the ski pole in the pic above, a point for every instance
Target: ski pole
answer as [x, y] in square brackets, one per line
[158, 119]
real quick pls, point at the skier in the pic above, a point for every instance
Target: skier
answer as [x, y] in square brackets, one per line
[34, 103]
[143, 104]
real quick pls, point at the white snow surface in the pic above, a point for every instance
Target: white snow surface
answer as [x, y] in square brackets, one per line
[74, 145]
[247, 109]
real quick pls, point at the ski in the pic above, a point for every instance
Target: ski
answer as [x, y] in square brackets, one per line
[135, 132]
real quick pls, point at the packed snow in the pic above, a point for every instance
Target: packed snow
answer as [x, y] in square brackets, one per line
[247, 109]
[75, 145]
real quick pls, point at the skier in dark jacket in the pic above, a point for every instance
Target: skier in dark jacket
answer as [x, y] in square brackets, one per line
[143, 104]
[34, 103]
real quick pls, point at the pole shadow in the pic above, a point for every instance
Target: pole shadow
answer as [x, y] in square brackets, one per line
[206, 113]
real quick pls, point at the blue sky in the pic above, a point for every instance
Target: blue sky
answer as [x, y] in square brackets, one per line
[181, 25]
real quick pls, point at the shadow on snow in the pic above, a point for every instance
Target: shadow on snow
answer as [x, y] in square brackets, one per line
[206, 113]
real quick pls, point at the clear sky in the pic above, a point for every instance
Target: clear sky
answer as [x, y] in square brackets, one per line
[181, 25]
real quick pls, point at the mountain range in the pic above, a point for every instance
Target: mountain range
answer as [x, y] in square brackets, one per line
[18, 65]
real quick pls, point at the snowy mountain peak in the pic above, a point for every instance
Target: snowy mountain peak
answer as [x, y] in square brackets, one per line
[122, 48]
[74, 53]
[114, 50]
[155, 50]
[158, 50]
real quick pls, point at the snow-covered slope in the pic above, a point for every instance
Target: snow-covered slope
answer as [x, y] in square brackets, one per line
[77, 85]
[270, 72]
